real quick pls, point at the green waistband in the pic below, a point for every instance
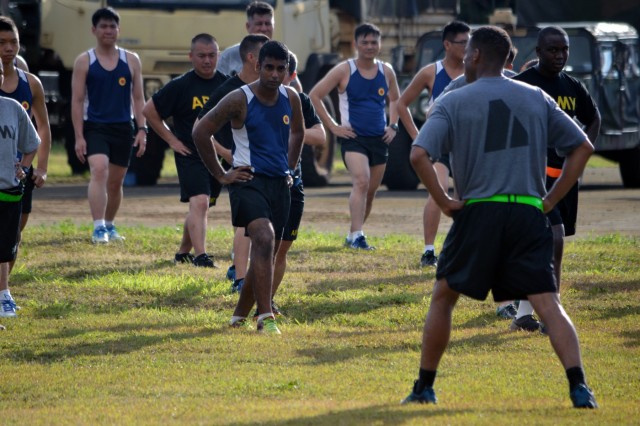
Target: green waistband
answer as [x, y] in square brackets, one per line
[10, 198]
[510, 198]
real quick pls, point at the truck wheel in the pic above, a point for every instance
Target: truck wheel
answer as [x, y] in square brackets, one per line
[399, 174]
[630, 168]
[317, 162]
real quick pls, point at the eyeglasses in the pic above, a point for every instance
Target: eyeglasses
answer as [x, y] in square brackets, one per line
[459, 42]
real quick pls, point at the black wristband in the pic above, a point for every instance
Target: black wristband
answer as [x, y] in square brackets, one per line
[144, 129]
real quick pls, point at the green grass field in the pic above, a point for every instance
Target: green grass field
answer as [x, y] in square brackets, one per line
[119, 335]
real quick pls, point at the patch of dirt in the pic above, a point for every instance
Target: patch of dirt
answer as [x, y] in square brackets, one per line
[605, 207]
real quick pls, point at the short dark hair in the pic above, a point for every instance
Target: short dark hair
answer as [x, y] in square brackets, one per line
[454, 27]
[203, 38]
[7, 24]
[259, 8]
[106, 13]
[250, 44]
[366, 29]
[550, 30]
[273, 49]
[493, 42]
[293, 63]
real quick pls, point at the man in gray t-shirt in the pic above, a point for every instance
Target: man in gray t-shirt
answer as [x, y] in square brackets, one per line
[497, 132]
[17, 135]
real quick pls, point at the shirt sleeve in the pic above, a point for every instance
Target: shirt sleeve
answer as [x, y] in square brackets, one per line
[434, 134]
[309, 112]
[164, 99]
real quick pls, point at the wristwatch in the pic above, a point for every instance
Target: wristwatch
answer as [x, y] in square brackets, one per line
[394, 126]
[144, 129]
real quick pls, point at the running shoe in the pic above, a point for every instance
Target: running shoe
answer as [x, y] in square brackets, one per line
[361, 243]
[100, 235]
[113, 234]
[183, 258]
[242, 324]
[507, 311]
[204, 260]
[582, 397]
[8, 308]
[427, 396]
[231, 273]
[429, 258]
[236, 287]
[268, 326]
[525, 323]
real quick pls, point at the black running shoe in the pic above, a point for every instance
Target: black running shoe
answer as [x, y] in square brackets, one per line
[183, 258]
[204, 260]
[429, 258]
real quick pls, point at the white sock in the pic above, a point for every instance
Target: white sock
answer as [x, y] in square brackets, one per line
[98, 223]
[428, 247]
[235, 319]
[353, 235]
[263, 316]
[525, 308]
[108, 223]
[4, 294]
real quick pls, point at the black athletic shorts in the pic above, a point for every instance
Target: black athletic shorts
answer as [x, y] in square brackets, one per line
[195, 179]
[295, 213]
[373, 147]
[503, 248]
[262, 197]
[10, 213]
[566, 211]
[115, 140]
[27, 198]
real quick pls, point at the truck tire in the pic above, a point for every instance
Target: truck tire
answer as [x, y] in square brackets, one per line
[399, 174]
[630, 168]
[317, 162]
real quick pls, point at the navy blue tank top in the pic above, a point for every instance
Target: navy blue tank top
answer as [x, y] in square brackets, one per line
[108, 92]
[22, 94]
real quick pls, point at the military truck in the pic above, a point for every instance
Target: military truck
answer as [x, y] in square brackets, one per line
[604, 56]
[320, 32]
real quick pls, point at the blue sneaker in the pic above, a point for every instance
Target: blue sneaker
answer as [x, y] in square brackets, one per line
[427, 396]
[8, 308]
[231, 273]
[361, 243]
[100, 235]
[113, 234]
[236, 287]
[582, 397]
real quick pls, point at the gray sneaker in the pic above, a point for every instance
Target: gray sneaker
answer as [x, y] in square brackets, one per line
[525, 323]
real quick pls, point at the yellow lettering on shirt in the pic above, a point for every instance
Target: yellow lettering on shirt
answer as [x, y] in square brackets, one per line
[567, 103]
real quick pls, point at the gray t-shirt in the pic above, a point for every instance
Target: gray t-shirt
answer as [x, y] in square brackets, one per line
[496, 131]
[16, 134]
[230, 62]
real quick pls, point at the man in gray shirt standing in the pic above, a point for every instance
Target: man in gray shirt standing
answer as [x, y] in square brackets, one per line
[497, 132]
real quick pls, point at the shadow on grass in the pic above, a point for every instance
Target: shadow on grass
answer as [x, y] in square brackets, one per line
[632, 338]
[107, 346]
[378, 414]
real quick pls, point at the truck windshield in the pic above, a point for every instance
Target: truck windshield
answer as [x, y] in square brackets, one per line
[182, 4]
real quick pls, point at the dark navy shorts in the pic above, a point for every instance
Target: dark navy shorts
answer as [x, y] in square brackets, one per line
[27, 198]
[373, 147]
[499, 247]
[115, 140]
[10, 214]
[195, 179]
[262, 197]
[295, 213]
[566, 211]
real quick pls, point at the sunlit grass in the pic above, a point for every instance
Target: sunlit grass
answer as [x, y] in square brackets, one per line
[118, 334]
